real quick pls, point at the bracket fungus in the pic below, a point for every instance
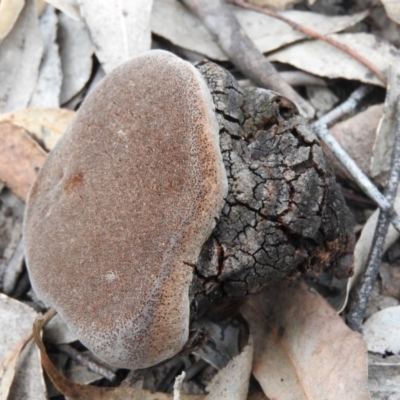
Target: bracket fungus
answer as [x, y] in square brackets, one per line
[174, 189]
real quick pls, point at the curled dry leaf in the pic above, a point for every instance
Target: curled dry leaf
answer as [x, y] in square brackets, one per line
[20, 161]
[20, 55]
[76, 51]
[119, 30]
[79, 391]
[173, 21]
[384, 142]
[20, 373]
[9, 12]
[48, 85]
[232, 381]
[392, 8]
[322, 59]
[382, 331]
[46, 125]
[303, 348]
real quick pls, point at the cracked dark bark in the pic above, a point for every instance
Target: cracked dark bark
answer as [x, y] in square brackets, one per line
[284, 213]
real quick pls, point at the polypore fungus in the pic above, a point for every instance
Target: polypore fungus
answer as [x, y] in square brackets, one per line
[120, 211]
[173, 189]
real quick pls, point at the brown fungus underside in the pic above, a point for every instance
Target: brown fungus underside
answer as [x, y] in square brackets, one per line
[174, 190]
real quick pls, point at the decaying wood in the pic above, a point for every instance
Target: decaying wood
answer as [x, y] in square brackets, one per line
[284, 212]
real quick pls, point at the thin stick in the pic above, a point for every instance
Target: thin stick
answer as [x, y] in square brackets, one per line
[315, 35]
[352, 168]
[363, 292]
[355, 172]
[239, 48]
[87, 362]
[347, 107]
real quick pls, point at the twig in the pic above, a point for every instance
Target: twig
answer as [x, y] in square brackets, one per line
[315, 35]
[363, 292]
[178, 386]
[321, 129]
[87, 362]
[239, 48]
[347, 107]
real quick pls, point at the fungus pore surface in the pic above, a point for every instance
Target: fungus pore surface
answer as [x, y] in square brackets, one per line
[119, 212]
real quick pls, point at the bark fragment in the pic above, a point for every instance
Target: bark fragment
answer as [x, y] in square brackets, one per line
[284, 212]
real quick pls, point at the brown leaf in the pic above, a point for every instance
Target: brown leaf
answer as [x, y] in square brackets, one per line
[303, 350]
[357, 136]
[46, 125]
[21, 158]
[77, 391]
[390, 280]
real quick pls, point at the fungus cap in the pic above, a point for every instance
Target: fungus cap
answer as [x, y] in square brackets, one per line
[119, 212]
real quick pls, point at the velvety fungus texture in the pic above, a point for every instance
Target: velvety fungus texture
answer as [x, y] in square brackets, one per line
[120, 211]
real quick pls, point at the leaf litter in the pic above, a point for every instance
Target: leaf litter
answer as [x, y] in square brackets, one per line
[303, 348]
[48, 86]
[174, 22]
[77, 70]
[19, 378]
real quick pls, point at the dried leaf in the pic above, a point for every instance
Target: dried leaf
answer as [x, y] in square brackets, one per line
[119, 30]
[322, 59]
[303, 349]
[363, 246]
[382, 331]
[48, 86]
[380, 163]
[20, 373]
[20, 55]
[390, 280]
[69, 7]
[173, 21]
[9, 12]
[76, 50]
[78, 391]
[384, 373]
[392, 8]
[357, 136]
[277, 4]
[7, 370]
[232, 381]
[45, 125]
[20, 160]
